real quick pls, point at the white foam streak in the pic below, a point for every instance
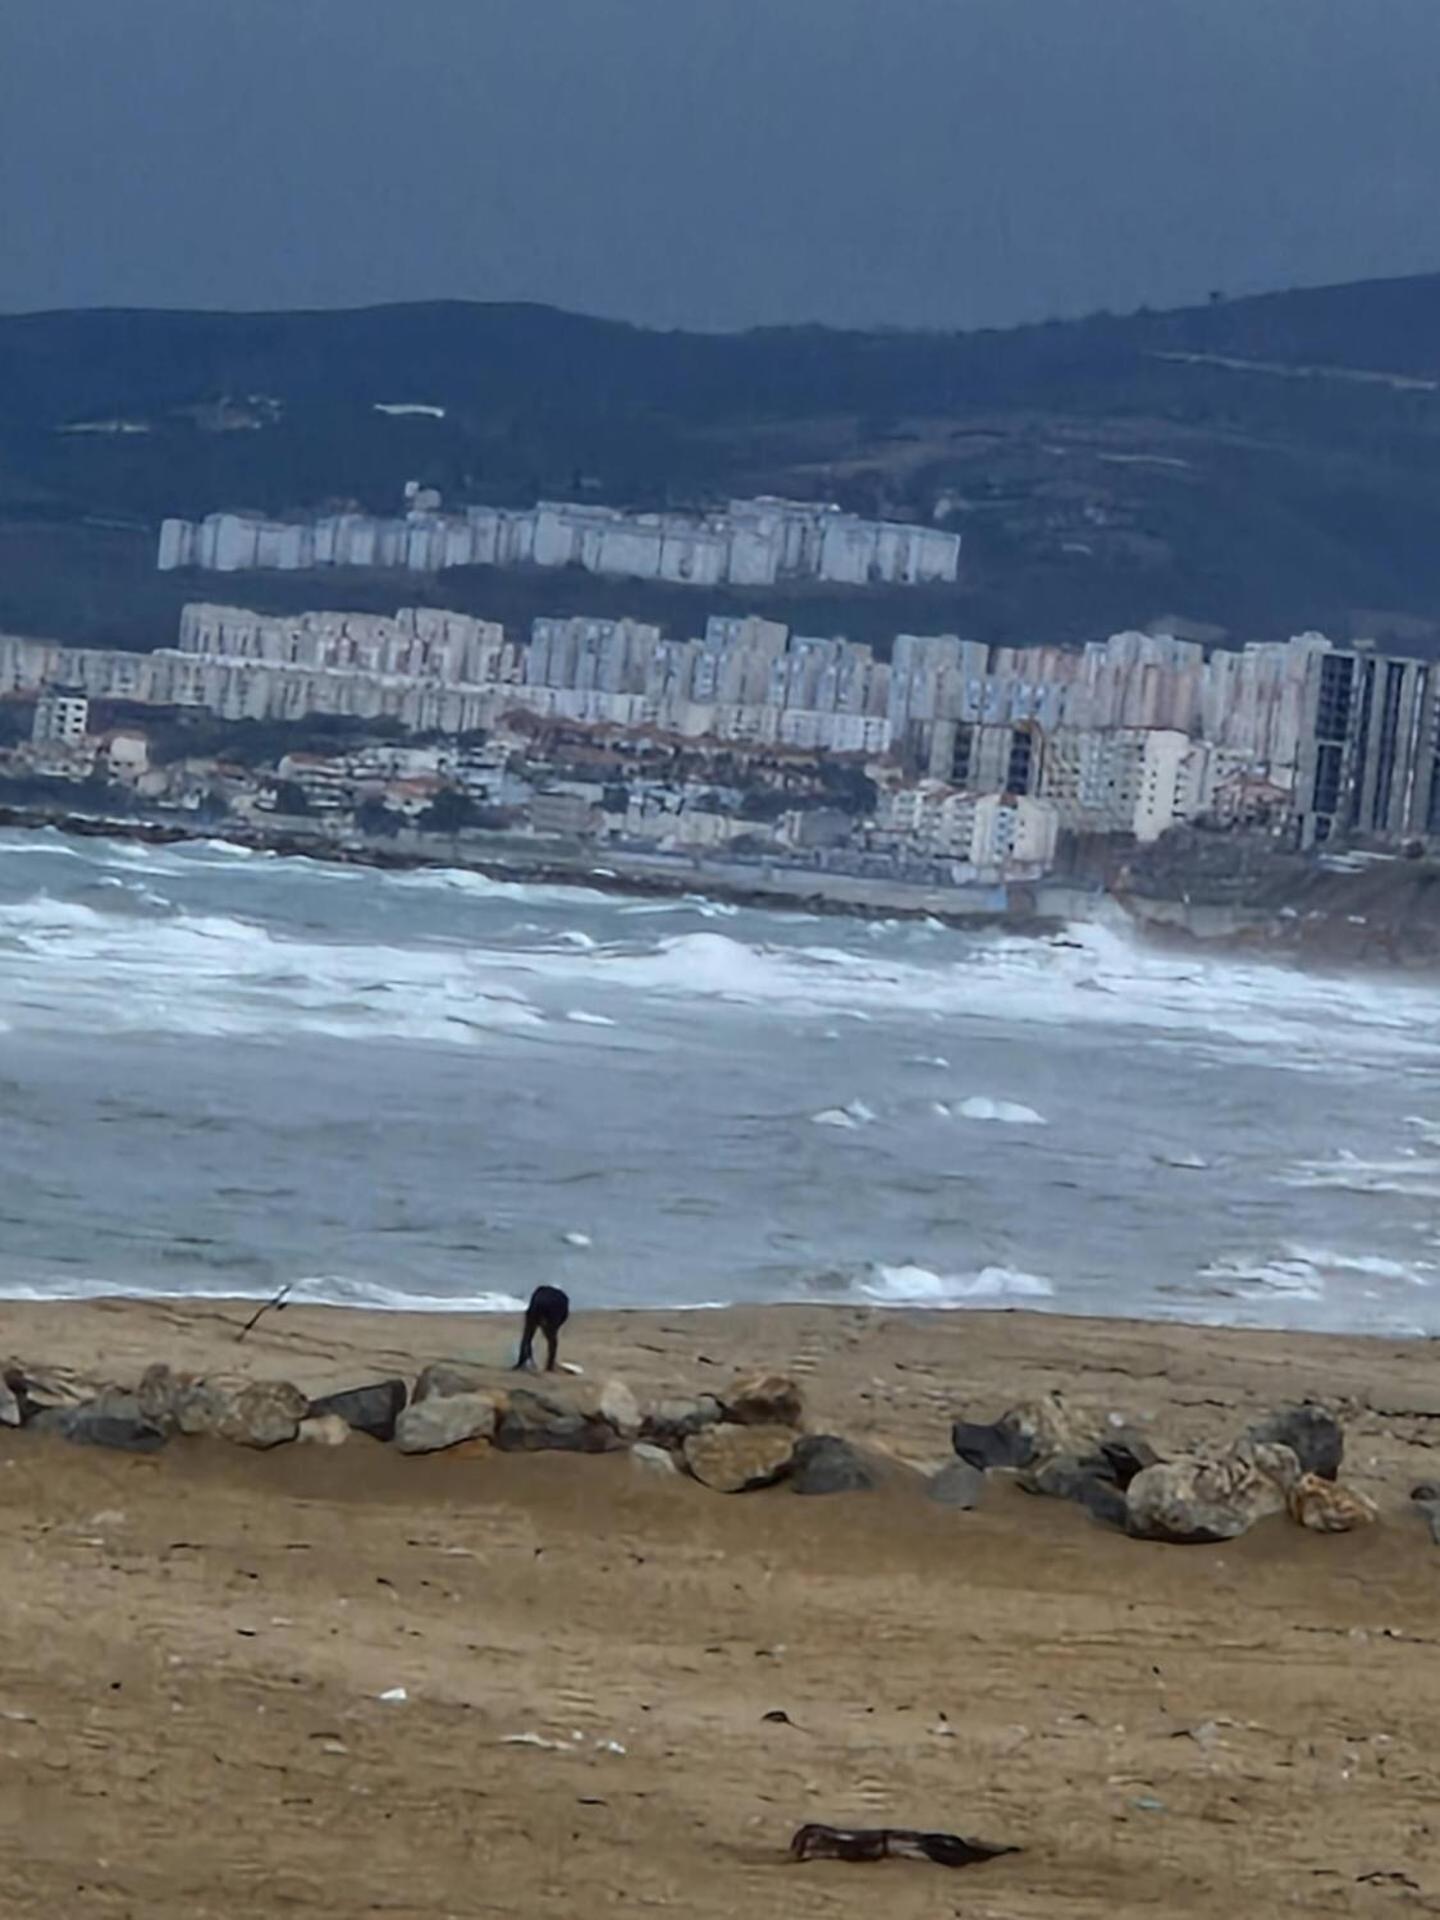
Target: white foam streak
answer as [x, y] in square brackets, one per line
[316, 1290]
[912, 1286]
[1006, 1113]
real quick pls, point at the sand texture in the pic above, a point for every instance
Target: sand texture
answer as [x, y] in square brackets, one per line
[192, 1645]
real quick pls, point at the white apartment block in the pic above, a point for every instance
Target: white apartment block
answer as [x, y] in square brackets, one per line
[62, 719]
[747, 543]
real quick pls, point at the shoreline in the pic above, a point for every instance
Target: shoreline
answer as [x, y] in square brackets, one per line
[499, 1306]
[803, 889]
[1029, 1351]
[1325, 940]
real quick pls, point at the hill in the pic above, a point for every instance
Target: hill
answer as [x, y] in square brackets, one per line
[1256, 465]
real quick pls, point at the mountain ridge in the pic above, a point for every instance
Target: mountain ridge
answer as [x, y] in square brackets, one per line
[1258, 465]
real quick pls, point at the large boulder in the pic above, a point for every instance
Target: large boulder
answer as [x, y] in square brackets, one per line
[444, 1420]
[37, 1388]
[824, 1463]
[1311, 1432]
[1195, 1500]
[621, 1409]
[556, 1412]
[112, 1419]
[1035, 1430]
[671, 1422]
[957, 1485]
[763, 1400]
[733, 1459]
[372, 1409]
[442, 1377]
[248, 1413]
[1125, 1454]
[1089, 1483]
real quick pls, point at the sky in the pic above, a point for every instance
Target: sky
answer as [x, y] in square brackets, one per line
[713, 163]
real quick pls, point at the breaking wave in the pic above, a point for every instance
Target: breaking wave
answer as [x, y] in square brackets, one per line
[911, 1286]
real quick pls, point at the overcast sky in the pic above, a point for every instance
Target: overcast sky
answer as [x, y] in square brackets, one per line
[713, 162]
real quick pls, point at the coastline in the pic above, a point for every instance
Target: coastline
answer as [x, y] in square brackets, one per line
[1017, 908]
[638, 1686]
[934, 1362]
[1323, 933]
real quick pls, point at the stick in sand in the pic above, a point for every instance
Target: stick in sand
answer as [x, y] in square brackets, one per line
[265, 1306]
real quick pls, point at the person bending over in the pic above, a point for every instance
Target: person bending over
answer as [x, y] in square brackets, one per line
[547, 1313]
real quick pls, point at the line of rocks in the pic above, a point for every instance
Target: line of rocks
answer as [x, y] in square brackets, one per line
[750, 1435]
[1288, 1462]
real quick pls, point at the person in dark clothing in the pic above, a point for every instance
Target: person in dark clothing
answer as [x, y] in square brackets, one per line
[547, 1313]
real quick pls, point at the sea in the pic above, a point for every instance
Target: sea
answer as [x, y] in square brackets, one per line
[224, 1072]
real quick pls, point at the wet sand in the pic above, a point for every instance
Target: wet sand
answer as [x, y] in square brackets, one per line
[192, 1645]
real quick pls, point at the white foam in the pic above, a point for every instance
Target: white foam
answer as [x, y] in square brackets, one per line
[1411, 1175]
[94, 972]
[914, 1286]
[583, 1019]
[1301, 1272]
[854, 1113]
[316, 1290]
[1007, 1113]
[577, 1240]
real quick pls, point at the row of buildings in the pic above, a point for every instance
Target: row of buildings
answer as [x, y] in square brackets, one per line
[1131, 735]
[748, 543]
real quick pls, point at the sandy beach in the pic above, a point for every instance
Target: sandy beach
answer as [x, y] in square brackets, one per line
[193, 1644]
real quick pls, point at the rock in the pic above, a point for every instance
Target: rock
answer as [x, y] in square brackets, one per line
[1126, 1453]
[11, 1414]
[444, 1420]
[958, 1485]
[1312, 1434]
[1195, 1500]
[372, 1409]
[323, 1430]
[653, 1459]
[160, 1392]
[763, 1400]
[671, 1422]
[112, 1419]
[1036, 1430]
[443, 1377]
[1090, 1483]
[248, 1413]
[559, 1413]
[38, 1388]
[1324, 1507]
[200, 1406]
[824, 1463]
[265, 1414]
[619, 1406]
[733, 1459]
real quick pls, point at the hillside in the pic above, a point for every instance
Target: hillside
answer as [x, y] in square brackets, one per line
[1256, 465]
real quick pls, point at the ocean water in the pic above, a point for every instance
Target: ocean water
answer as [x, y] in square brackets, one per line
[223, 1072]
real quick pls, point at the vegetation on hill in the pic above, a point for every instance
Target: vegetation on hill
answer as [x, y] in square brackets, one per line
[1257, 465]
